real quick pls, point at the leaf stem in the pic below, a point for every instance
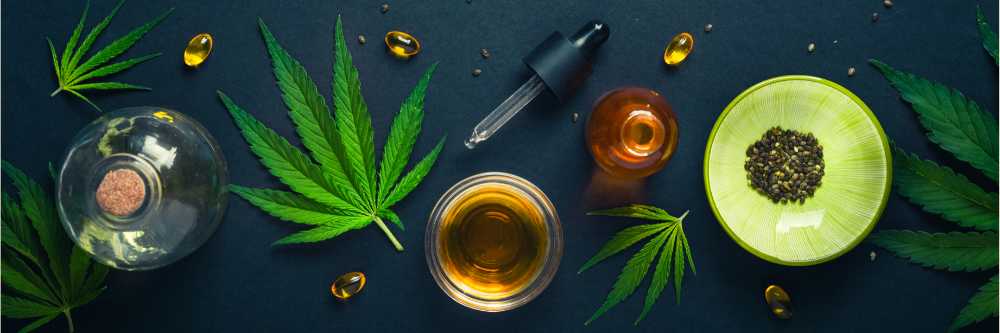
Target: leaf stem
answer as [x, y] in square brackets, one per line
[53, 94]
[69, 320]
[385, 229]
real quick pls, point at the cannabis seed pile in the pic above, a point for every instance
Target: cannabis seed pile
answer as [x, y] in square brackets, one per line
[785, 165]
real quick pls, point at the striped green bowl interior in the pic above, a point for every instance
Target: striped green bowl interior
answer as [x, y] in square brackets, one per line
[844, 208]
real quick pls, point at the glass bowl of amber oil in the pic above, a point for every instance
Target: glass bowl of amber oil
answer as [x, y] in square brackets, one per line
[493, 242]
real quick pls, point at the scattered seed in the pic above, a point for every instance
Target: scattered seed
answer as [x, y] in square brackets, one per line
[361, 39]
[850, 71]
[576, 116]
[811, 47]
[385, 8]
[708, 27]
[887, 3]
[476, 72]
[485, 53]
[872, 256]
[835, 41]
[874, 17]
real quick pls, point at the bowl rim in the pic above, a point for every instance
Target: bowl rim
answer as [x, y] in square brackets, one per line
[885, 190]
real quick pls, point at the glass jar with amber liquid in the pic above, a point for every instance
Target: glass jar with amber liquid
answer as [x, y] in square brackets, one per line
[493, 242]
[632, 132]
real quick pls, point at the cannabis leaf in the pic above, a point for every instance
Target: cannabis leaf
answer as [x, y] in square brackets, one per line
[669, 236]
[953, 251]
[337, 192]
[73, 75]
[983, 304]
[954, 122]
[940, 190]
[961, 127]
[45, 275]
[989, 37]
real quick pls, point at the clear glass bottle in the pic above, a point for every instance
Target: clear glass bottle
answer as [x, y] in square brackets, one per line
[142, 187]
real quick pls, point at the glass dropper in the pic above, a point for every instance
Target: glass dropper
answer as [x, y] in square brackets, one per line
[560, 65]
[506, 110]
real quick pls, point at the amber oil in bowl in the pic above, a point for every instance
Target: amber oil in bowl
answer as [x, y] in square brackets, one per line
[493, 242]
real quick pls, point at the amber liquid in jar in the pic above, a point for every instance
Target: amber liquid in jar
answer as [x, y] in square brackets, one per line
[493, 242]
[632, 132]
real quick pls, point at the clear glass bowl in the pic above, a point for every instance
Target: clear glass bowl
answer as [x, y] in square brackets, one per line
[183, 175]
[552, 252]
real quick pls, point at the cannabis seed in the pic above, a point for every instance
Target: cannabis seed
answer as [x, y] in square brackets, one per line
[874, 17]
[708, 27]
[887, 3]
[811, 47]
[477, 72]
[361, 39]
[576, 116]
[785, 165]
[484, 53]
[385, 8]
[850, 71]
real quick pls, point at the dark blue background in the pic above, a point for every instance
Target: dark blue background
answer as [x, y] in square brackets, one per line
[237, 282]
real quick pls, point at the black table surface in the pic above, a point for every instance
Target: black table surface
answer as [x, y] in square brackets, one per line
[238, 282]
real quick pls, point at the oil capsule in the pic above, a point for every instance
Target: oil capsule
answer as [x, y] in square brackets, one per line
[779, 301]
[678, 49]
[348, 285]
[401, 44]
[198, 49]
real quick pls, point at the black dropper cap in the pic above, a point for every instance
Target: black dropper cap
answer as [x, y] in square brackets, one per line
[563, 64]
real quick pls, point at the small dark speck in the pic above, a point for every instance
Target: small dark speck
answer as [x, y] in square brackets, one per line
[361, 39]
[874, 17]
[477, 72]
[484, 53]
[385, 8]
[576, 117]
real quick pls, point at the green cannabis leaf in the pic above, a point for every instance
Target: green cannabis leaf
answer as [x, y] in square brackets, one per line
[74, 76]
[961, 127]
[954, 122]
[45, 275]
[953, 251]
[982, 305]
[940, 190]
[989, 37]
[669, 236]
[338, 192]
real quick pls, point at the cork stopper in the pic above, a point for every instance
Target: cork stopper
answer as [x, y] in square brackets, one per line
[121, 192]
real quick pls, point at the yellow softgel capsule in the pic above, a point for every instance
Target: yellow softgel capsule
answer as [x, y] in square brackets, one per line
[401, 44]
[348, 285]
[198, 49]
[779, 301]
[678, 49]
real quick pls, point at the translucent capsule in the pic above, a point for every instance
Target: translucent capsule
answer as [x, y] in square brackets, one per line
[401, 44]
[348, 285]
[678, 49]
[779, 301]
[198, 49]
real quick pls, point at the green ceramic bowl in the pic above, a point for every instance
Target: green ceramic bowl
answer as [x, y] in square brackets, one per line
[844, 208]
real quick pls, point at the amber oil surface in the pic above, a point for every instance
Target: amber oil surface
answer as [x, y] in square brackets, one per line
[493, 241]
